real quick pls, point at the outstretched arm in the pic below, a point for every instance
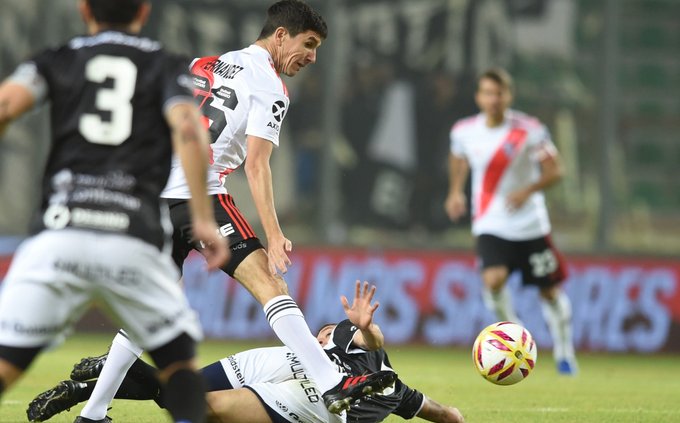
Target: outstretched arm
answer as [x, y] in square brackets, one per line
[439, 413]
[369, 337]
[15, 100]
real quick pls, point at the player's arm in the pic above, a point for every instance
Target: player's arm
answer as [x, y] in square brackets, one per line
[190, 142]
[551, 173]
[259, 175]
[360, 313]
[439, 413]
[455, 204]
[15, 100]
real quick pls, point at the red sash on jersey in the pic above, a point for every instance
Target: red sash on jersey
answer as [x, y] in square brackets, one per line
[497, 166]
[203, 82]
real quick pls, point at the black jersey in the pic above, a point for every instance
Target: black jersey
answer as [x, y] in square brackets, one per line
[401, 400]
[111, 148]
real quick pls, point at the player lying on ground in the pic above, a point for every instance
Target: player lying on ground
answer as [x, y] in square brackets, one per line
[257, 385]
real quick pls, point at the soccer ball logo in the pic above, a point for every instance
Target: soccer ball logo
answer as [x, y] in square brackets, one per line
[504, 353]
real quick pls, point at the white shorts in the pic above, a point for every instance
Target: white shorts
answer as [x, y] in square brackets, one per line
[296, 400]
[276, 375]
[55, 275]
[269, 364]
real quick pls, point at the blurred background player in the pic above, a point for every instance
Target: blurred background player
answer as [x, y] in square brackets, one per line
[244, 102]
[269, 384]
[512, 160]
[119, 104]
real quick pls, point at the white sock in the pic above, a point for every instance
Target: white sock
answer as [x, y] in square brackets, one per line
[289, 324]
[501, 304]
[557, 315]
[122, 355]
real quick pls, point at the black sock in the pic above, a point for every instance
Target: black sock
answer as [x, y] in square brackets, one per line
[184, 396]
[142, 381]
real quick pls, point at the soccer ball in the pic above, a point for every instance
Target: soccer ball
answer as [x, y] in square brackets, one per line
[504, 353]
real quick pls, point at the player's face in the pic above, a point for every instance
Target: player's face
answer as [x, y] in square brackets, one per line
[298, 52]
[324, 335]
[492, 98]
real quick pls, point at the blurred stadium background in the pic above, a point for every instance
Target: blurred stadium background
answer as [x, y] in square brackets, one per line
[360, 176]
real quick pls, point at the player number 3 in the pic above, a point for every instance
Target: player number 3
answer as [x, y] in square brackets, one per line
[115, 101]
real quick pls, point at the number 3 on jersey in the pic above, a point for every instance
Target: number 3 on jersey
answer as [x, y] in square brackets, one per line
[115, 101]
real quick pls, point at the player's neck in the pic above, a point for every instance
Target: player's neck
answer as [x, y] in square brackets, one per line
[268, 44]
[96, 27]
[493, 121]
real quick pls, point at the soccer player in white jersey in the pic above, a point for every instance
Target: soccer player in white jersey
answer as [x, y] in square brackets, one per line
[512, 160]
[102, 233]
[244, 102]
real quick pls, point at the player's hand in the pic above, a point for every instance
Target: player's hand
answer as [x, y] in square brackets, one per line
[215, 247]
[455, 205]
[516, 199]
[360, 313]
[277, 253]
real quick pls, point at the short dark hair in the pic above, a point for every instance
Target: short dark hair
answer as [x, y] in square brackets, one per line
[115, 12]
[294, 15]
[497, 75]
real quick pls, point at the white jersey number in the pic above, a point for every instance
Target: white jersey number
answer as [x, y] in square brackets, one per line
[543, 264]
[115, 101]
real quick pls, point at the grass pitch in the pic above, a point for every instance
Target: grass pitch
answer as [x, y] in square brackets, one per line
[610, 388]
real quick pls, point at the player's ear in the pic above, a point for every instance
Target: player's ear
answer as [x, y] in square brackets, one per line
[85, 11]
[143, 13]
[280, 35]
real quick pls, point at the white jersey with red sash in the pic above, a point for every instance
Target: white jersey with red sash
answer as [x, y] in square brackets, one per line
[240, 94]
[502, 160]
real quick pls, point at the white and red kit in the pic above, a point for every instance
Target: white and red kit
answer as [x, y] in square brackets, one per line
[240, 94]
[502, 160]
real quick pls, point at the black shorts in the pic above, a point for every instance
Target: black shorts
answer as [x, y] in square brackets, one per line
[538, 260]
[230, 223]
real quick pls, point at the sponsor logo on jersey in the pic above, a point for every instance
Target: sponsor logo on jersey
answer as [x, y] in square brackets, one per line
[279, 110]
[200, 83]
[274, 126]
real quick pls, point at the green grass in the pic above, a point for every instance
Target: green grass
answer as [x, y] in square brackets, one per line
[609, 388]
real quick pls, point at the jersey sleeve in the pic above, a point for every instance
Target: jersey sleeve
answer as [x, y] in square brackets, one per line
[267, 110]
[541, 145]
[30, 74]
[177, 82]
[343, 335]
[411, 402]
[456, 143]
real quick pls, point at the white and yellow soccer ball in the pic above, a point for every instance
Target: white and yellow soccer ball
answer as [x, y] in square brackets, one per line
[504, 353]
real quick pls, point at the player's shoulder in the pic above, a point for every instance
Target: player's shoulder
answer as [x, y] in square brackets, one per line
[523, 120]
[466, 123]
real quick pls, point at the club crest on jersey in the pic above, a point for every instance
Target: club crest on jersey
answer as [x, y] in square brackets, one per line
[514, 141]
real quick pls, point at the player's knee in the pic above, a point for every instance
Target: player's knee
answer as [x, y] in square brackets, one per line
[494, 278]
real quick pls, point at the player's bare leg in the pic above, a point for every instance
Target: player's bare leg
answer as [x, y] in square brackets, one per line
[238, 405]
